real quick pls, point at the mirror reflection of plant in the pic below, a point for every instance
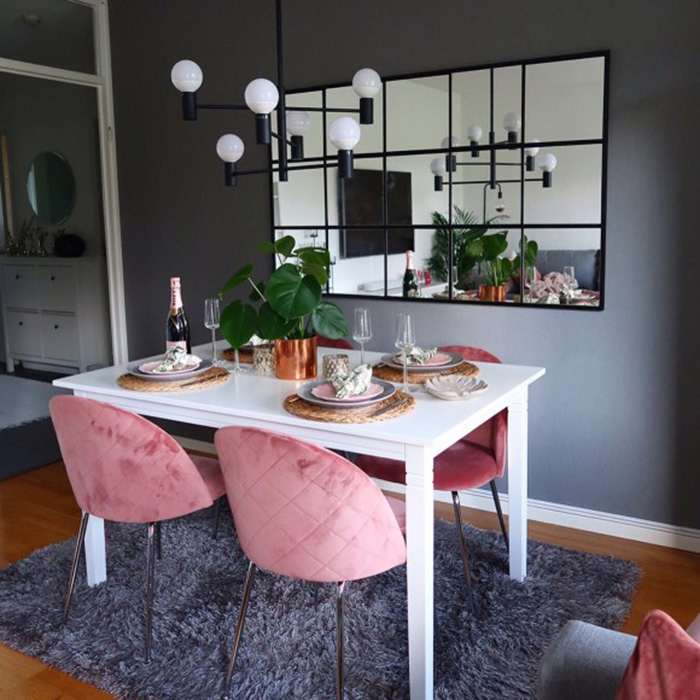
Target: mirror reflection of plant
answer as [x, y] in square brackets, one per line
[467, 252]
[531, 250]
[290, 303]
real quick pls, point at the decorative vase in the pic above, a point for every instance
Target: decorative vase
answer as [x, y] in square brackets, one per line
[489, 292]
[296, 359]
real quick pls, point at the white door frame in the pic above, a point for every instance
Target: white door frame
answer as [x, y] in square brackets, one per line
[101, 80]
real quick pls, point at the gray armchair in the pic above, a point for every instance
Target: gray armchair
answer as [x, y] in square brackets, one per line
[584, 662]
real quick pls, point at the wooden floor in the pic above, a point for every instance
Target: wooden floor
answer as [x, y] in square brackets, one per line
[38, 508]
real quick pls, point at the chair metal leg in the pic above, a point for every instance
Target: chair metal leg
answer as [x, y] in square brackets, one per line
[218, 505]
[159, 540]
[239, 627]
[76, 560]
[150, 568]
[462, 540]
[340, 639]
[497, 502]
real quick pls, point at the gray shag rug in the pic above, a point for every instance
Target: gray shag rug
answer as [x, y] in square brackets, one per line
[288, 647]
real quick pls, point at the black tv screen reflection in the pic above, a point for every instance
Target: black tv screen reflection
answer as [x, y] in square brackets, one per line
[361, 204]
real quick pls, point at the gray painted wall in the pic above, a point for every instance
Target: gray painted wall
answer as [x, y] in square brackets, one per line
[612, 422]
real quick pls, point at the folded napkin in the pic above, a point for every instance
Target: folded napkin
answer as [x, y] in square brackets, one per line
[352, 383]
[418, 356]
[176, 358]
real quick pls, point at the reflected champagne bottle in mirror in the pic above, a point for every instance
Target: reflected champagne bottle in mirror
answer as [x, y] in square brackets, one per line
[410, 279]
[177, 329]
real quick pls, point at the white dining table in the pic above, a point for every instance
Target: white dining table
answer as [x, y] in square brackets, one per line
[248, 399]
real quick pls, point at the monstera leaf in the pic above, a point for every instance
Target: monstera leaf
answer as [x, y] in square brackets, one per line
[291, 294]
[328, 320]
[238, 323]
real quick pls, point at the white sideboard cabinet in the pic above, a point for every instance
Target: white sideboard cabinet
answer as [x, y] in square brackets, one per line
[54, 311]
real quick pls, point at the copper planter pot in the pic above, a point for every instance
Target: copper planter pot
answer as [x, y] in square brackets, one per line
[488, 292]
[296, 359]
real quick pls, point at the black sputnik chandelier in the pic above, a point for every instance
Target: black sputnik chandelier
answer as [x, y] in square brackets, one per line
[262, 97]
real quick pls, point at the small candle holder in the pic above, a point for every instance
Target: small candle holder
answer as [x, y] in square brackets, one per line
[335, 364]
[264, 359]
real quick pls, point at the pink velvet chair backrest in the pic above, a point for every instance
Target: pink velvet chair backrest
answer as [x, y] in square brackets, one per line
[491, 434]
[305, 512]
[121, 466]
[334, 343]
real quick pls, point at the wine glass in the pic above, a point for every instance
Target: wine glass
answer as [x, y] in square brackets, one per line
[212, 319]
[362, 331]
[570, 276]
[405, 340]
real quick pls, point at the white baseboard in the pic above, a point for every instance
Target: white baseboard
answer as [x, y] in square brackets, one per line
[611, 524]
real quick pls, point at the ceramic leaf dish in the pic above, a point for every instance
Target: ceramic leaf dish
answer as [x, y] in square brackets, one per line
[455, 388]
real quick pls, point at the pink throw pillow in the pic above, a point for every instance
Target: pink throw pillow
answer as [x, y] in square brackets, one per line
[665, 664]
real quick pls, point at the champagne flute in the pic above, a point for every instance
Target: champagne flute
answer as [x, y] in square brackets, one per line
[212, 319]
[405, 341]
[570, 276]
[362, 331]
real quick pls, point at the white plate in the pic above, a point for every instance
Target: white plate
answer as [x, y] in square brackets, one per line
[150, 368]
[305, 392]
[455, 388]
[326, 392]
[134, 369]
[454, 361]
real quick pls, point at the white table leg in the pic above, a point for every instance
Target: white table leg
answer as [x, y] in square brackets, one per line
[95, 555]
[517, 485]
[419, 536]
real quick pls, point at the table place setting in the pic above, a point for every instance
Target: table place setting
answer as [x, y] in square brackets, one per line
[177, 370]
[353, 396]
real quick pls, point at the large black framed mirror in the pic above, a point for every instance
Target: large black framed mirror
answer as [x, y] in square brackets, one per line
[466, 168]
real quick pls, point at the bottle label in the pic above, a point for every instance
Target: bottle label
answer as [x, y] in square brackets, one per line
[176, 344]
[175, 296]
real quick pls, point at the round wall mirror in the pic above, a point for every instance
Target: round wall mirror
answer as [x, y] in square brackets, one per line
[51, 187]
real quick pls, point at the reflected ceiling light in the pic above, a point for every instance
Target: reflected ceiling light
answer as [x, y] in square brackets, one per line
[547, 162]
[512, 123]
[298, 124]
[450, 158]
[437, 167]
[530, 153]
[262, 97]
[474, 134]
[344, 134]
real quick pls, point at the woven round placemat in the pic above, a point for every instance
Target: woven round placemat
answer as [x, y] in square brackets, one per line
[212, 377]
[396, 375]
[298, 407]
[244, 356]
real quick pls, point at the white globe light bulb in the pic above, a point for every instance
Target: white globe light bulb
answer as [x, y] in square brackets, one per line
[186, 76]
[447, 142]
[229, 148]
[298, 123]
[366, 82]
[261, 96]
[437, 166]
[512, 121]
[474, 132]
[532, 150]
[547, 162]
[344, 133]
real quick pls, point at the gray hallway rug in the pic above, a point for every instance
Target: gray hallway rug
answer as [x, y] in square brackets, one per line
[288, 646]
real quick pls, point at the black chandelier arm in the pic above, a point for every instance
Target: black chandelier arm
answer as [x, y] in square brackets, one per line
[221, 106]
[497, 182]
[339, 110]
[486, 165]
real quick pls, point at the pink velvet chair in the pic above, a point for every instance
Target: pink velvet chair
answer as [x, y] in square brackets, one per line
[334, 343]
[302, 511]
[124, 468]
[477, 459]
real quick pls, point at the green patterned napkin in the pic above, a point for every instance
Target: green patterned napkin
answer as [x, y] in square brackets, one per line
[176, 358]
[417, 356]
[352, 384]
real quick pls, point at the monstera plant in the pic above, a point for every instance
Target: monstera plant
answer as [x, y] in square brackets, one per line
[290, 304]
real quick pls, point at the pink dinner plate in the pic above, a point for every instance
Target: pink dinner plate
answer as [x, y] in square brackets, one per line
[327, 393]
[438, 360]
[149, 367]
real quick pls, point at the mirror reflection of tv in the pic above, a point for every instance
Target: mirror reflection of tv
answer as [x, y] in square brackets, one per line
[360, 203]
